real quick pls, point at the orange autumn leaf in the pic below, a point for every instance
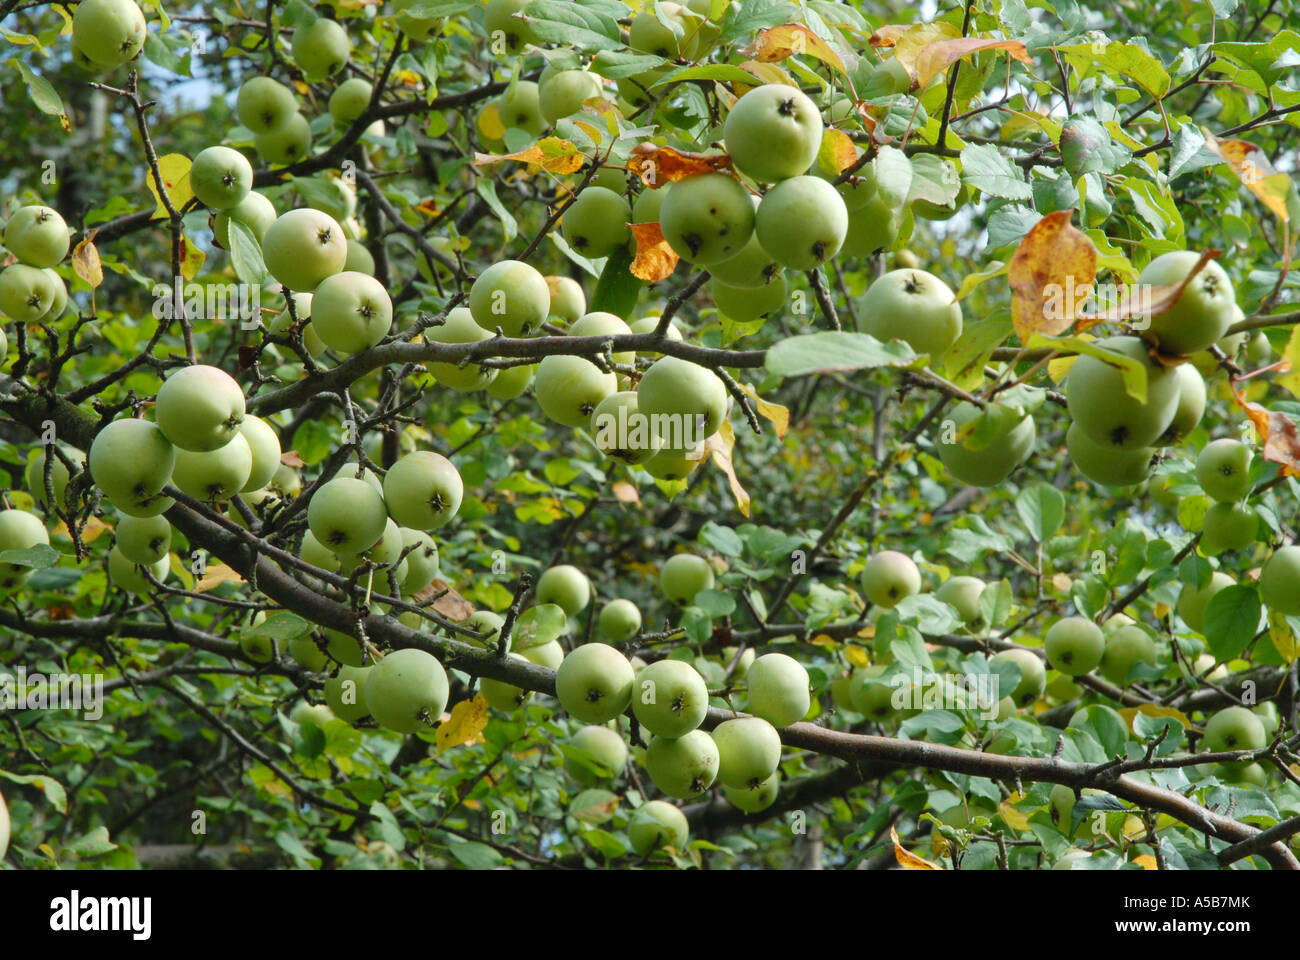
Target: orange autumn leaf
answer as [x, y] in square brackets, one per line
[429, 208]
[85, 261]
[1050, 273]
[655, 260]
[718, 448]
[1153, 300]
[550, 154]
[657, 166]
[790, 39]
[215, 576]
[888, 35]
[837, 150]
[906, 859]
[451, 604]
[1281, 443]
[933, 59]
[1266, 182]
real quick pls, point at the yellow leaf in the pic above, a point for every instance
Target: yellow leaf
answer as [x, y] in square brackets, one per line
[935, 58]
[655, 259]
[719, 447]
[768, 72]
[822, 640]
[468, 718]
[1283, 637]
[1255, 170]
[550, 154]
[191, 258]
[778, 43]
[175, 170]
[1162, 610]
[856, 655]
[1050, 274]
[1062, 582]
[777, 414]
[90, 533]
[1012, 817]
[1154, 710]
[1147, 861]
[85, 260]
[907, 860]
[489, 122]
[215, 576]
[1291, 355]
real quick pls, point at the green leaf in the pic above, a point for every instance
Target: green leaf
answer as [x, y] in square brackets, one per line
[721, 72]
[606, 844]
[487, 190]
[245, 253]
[388, 828]
[743, 20]
[93, 844]
[52, 789]
[290, 844]
[931, 615]
[722, 539]
[619, 64]
[281, 625]
[935, 179]
[1231, 620]
[617, 290]
[834, 352]
[36, 558]
[990, 171]
[42, 92]
[1123, 61]
[573, 25]
[715, 603]
[1087, 147]
[1042, 510]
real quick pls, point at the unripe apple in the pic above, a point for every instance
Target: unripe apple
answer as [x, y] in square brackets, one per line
[669, 465]
[568, 302]
[1192, 602]
[913, 306]
[359, 259]
[1279, 581]
[1061, 805]
[599, 323]
[522, 108]
[1258, 351]
[506, 697]
[286, 144]
[350, 99]
[745, 305]
[317, 714]
[37, 236]
[344, 648]
[646, 206]
[683, 576]
[619, 621]
[685, 766]
[347, 515]
[621, 431]
[561, 94]
[549, 655]
[1234, 728]
[754, 799]
[346, 693]
[143, 539]
[421, 562]
[594, 683]
[34, 477]
[26, 293]
[486, 622]
[778, 689]
[565, 586]
[657, 824]
[595, 224]
[265, 105]
[982, 459]
[649, 34]
[254, 211]
[1203, 311]
[1074, 645]
[200, 408]
[1228, 526]
[870, 697]
[569, 388]
[131, 461]
[801, 222]
[351, 312]
[500, 20]
[19, 530]
[511, 295]
[109, 32]
[1223, 469]
[1103, 409]
[749, 751]
[318, 555]
[282, 323]
[1268, 716]
[303, 247]
[742, 665]
[214, 474]
[1191, 404]
[460, 327]
[423, 490]
[264, 445]
[773, 133]
[751, 268]
[889, 577]
[1126, 646]
[407, 690]
[691, 397]
[707, 218]
[963, 594]
[58, 307]
[604, 747]
[124, 575]
[670, 699]
[1108, 466]
[4, 827]
[1033, 675]
[221, 177]
[321, 48]
[309, 656]
[648, 324]
[872, 228]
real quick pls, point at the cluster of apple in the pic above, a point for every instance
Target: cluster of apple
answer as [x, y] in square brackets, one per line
[31, 292]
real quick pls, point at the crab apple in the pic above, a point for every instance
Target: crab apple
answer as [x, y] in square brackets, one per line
[778, 689]
[200, 408]
[383, 553]
[683, 576]
[125, 575]
[254, 211]
[421, 562]
[549, 655]
[522, 108]
[567, 302]
[26, 293]
[264, 445]
[143, 539]
[773, 133]
[692, 398]
[620, 431]
[599, 323]
[351, 312]
[1258, 351]
[1103, 408]
[746, 305]
[1223, 469]
[303, 247]
[37, 236]
[109, 32]
[707, 218]
[407, 690]
[683, 766]
[889, 577]
[213, 475]
[265, 105]
[595, 224]
[1033, 674]
[460, 327]
[985, 459]
[565, 586]
[801, 222]
[423, 490]
[561, 94]
[1192, 601]
[1203, 311]
[754, 799]
[656, 824]
[913, 306]
[1279, 581]
[1074, 645]
[1234, 728]
[321, 48]
[500, 19]
[594, 683]
[604, 747]
[1191, 404]
[510, 295]
[749, 751]
[1108, 466]
[283, 322]
[131, 461]
[220, 177]
[1126, 646]
[345, 694]
[34, 477]
[511, 382]
[962, 593]
[57, 308]
[1227, 527]
[286, 144]
[649, 34]
[20, 530]
[872, 228]
[347, 515]
[648, 325]
[619, 621]
[569, 388]
[646, 206]
[749, 269]
[503, 695]
[610, 178]
[669, 465]
[670, 699]
[350, 99]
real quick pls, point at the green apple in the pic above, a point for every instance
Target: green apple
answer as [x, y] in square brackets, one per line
[649, 323]
[749, 269]
[963, 594]
[1204, 310]
[345, 694]
[1074, 645]
[707, 218]
[670, 465]
[870, 697]
[778, 689]
[1269, 716]
[1003, 439]
[347, 515]
[913, 306]
[351, 312]
[34, 477]
[595, 224]
[304, 650]
[254, 211]
[773, 133]
[511, 382]
[619, 621]
[265, 105]
[303, 247]
[407, 690]
[131, 461]
[506, 697]
[221, 177]
[521, 108]
[754, 799]
[565, 586]
[568, 302]
[657, 824]
[321, 48]
[1234, 728]
[1223, 469]
[143, 539]
[264, 445]
[621, 431]
[561, 94]
[124, 575]
[649, 34]
[317, 554]
[511, 295]
[317, 714]
[599, 323]
[500, 21]
[20, 530]
[286, 144]
[606, 750]
[1227, 527]
[646, 206]
[683, 576]
[27, 294]
[423, 490]
[57, 308]
[1108, 466]
[200, 408]
[1061, 804]
[1191, 404]
[1279, 581]
[749, 751]
[549, 655]
[359, 259]
[37, 236]
[684, 766]
[594, 683]
[801, 222]
[421, 561]
[1126, 646]
[1103, 409]
[872, 228]
[685, 402]
[350, 99]
[569, 388]
[745, 305]
[1033, 674]
[889, 577]
[459, 327]
[1259, 351]
[1192, 602]
[109, 32]
[670, 699]
[214, 474]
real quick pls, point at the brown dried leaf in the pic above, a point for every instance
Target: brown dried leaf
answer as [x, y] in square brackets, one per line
[451, 604]
[85, 260]
[290, 458]
[935, 58]
[1281, 441]
[657, 166]
[215, 576]
[1256, 171]
[626, 493]
[1050, 272]
[655, 259]
[778, 43]
[429, 208]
